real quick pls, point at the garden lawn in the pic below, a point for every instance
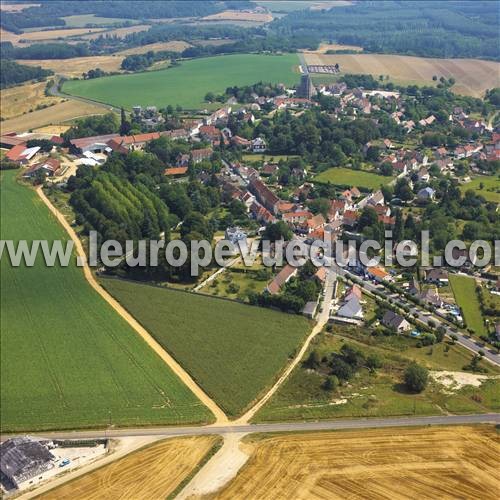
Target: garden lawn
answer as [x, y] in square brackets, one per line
[67, 359]
[233, 351]
[464, 290]
[187, 84]
[349, 177]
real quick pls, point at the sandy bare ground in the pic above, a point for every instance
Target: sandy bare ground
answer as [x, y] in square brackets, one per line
[438, 462]
[473, 76]
[150, 473]
[456, 380]
[223, 467]
[120, 448]
[59, 113]
[169, 360]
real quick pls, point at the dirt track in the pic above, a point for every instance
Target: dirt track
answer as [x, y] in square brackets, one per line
[441, 462]
[151, 473]
[169, 360]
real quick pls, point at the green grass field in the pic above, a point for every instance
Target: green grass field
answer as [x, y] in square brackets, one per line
[349, 177]
[490, 190]
[186, 85]
[67, 359]
[302, 396]
[233, 351]
[464, 290]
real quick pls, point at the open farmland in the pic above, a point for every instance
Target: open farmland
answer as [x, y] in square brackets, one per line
[76, 66]
[54, 115]
[36, 36]
[160, 88]
[438, 462]
[83, 20]
[15, 101]
[233, 351]
[238, 15]
[464, 290]
[67, 359]
[473, 76]
[486, 186]
[349, 177]
[174, 46]
[168, 462]
[119, 32]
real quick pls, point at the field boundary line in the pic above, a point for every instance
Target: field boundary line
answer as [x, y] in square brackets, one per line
[220, 416]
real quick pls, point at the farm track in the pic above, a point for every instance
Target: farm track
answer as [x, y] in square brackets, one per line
[166, 357]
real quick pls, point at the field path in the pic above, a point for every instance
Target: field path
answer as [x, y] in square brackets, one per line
[220, 416]
[323, 316]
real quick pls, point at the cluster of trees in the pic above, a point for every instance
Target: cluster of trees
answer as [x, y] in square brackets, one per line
[13, 73]
[44, 51]
[94, 73]
[93, 125]
[425, 28]
[317, 137]
[138, 62]
[246, 93]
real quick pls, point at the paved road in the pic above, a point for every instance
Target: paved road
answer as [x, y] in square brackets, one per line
[358, 423]
[423, 316]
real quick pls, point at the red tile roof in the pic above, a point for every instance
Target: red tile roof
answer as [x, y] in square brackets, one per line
[175, 171]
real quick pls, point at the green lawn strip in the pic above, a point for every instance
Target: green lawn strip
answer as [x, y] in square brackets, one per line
[464, 290]
[380, 394]
[67, 359]
[160, 88]
[349, 177]
[234, 351]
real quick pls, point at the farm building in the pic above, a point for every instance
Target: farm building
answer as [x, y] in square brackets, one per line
[49, 167]
[22, 460]
[21, 154]
[94, 144]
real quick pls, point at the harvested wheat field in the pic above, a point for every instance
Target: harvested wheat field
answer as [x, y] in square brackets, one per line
[239, 15]
[437, 462]
[8, 36]
[35, 36]
[324, 47]
[16, 7]
[119, 32]
[473, 76]
[52, 129]
[18, 100]
[151, 473]
[76, 66]
[174, 46]
[53, 115]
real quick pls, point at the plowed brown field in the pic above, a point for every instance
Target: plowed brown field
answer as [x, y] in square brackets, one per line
[149, 474]
[440, 462]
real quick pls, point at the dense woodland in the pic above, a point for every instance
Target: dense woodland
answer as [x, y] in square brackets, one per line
[424, 28]
[13, 73]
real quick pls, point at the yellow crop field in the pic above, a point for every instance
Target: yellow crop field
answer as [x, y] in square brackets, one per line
[54, 115]
[35, 36]
[18, 100]
[473, 76]
[437, 462]
[151, 473]
[16, 7]
[77, 65]
[238, 15]
[174, 46]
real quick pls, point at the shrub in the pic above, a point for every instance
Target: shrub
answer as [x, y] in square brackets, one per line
[416, 377]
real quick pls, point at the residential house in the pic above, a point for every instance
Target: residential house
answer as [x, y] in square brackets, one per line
[198, 155]
[426, 194]
[351, 309]
[281, 278]
[395, 322]
[264, 195]
[259, 145]
[378, 274]
[175, 171]
[241, 142]
[437, 276]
